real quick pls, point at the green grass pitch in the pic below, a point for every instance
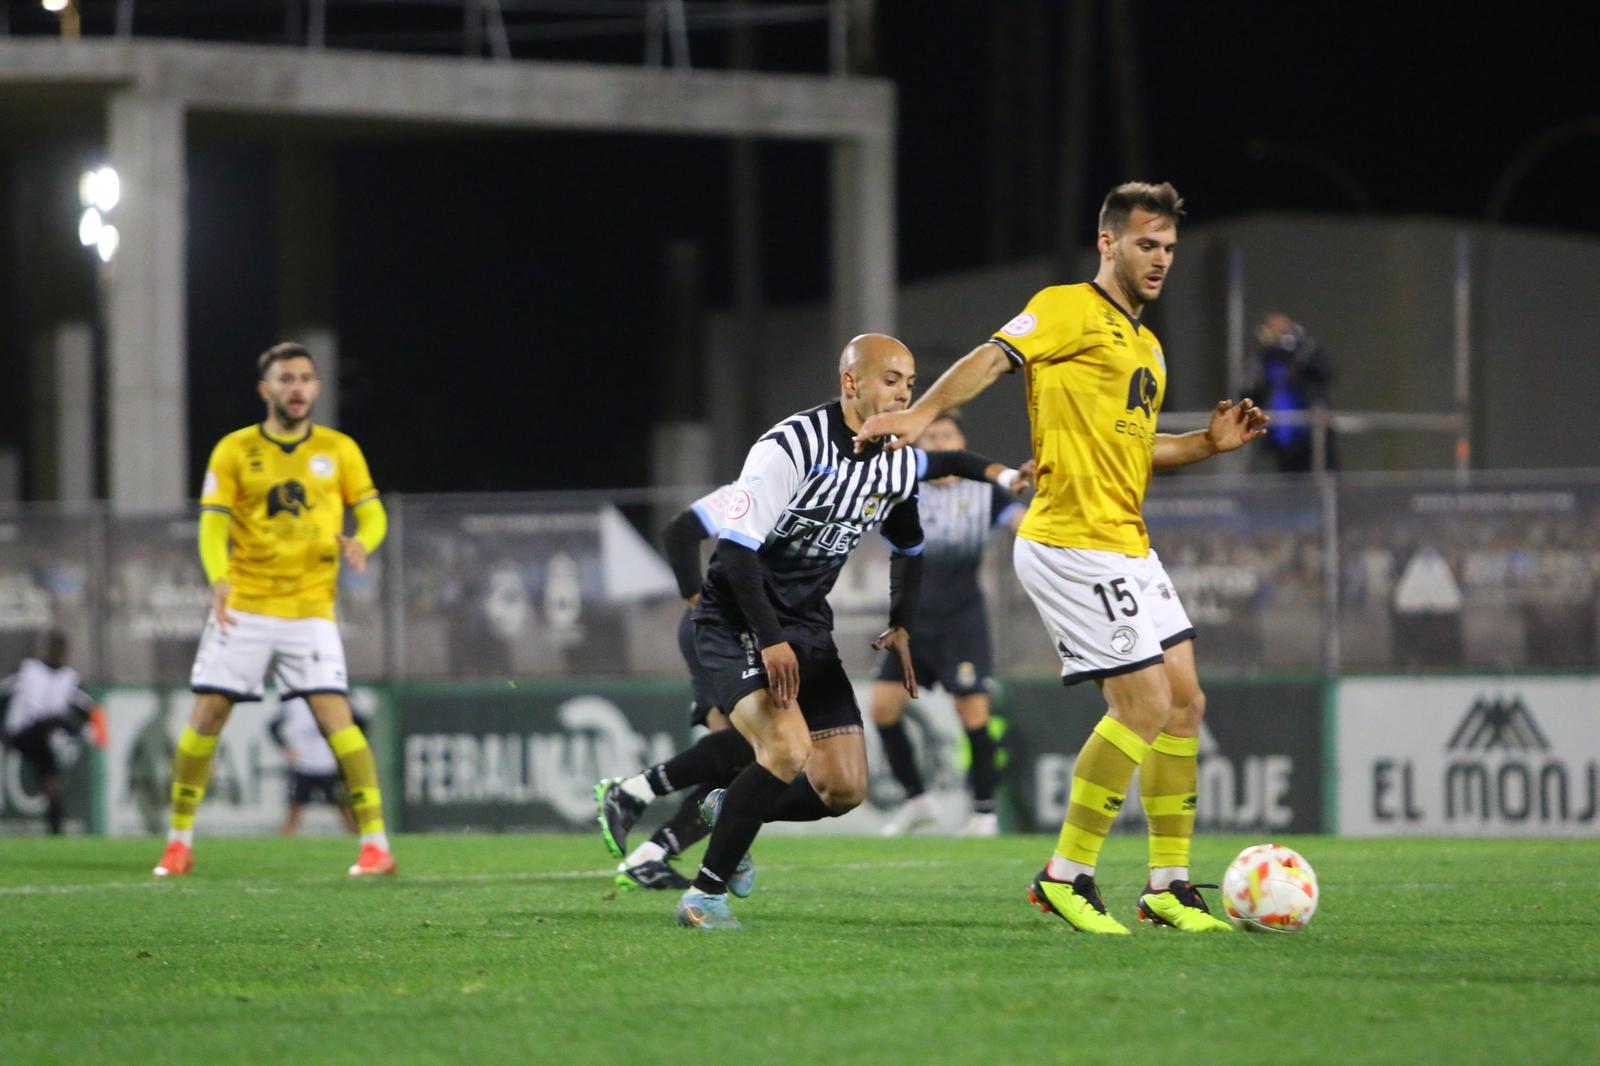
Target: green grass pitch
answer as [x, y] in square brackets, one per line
[922, 950]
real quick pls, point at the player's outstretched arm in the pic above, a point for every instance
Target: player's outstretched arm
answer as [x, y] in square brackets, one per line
[970, 375]
[1233, 425]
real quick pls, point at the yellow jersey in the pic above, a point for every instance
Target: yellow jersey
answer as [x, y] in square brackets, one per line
[1095, 379]
[286, 502]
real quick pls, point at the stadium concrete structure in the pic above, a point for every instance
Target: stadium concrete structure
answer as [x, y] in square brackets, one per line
[149, 92]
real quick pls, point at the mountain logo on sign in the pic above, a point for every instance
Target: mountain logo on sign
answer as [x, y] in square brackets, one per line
[1499, 723]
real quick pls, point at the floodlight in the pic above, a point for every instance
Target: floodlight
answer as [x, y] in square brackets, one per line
[107, 244]
[90, 226]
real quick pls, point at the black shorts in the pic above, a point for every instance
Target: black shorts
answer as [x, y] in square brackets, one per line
[304, 788]
[33, 744]
[957, 656]
[704, 700]
[732, 662]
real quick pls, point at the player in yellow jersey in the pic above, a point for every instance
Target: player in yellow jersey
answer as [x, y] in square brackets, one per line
[279, 491]
[1096, 377]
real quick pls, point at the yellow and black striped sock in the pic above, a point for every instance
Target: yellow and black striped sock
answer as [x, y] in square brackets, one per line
[191, 772]
[1099, 785]
[360, 772]
[1167, 787]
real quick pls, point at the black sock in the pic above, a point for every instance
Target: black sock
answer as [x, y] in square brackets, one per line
[752, 793]
[55, 812]
[982, 773]
[902, 760]
[799, 803]
[714, 759]
[686, 827]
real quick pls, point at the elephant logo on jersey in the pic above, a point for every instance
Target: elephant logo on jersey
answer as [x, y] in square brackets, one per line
[289, 497]
[1142, 391]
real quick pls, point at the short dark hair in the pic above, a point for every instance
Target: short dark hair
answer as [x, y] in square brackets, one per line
[1160, 199]
[277, 354]
[952, 416]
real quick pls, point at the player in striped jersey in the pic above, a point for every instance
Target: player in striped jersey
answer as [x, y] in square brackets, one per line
[764, 629]
[717, 757]
[1095, 379]
[952, 628]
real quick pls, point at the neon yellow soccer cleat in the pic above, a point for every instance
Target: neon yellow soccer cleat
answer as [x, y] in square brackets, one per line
[1180, 906]
[1077, 903]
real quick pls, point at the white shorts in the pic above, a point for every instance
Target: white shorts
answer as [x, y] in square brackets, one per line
[305, 655]
[1107, 614]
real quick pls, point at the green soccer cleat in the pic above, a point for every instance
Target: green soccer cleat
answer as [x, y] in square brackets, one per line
[1077, 903]
[702, 910]
[743, 881]
[616, 812]
[1180, 906]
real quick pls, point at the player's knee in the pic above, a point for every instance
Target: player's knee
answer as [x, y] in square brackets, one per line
[785, 756]
[844, 794]
[210, 713]
[1187, 714]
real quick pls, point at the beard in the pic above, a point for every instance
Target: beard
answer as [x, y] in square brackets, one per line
[1132, 284]
[281, 413]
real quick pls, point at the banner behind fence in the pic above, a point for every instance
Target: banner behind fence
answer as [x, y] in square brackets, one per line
[1278, 573]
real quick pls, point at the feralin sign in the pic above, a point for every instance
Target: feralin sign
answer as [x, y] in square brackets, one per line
[1494, 756]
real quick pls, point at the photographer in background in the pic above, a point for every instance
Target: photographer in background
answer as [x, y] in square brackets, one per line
[1292, 374]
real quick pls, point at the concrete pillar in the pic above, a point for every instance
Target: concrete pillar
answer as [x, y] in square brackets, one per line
[863, 207]
[75, 456]
[146, 404]
[303, 196]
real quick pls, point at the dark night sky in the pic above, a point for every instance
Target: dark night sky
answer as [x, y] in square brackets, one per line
[497, 297]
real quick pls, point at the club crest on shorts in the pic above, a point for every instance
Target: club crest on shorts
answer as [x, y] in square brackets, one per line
[1123, 640]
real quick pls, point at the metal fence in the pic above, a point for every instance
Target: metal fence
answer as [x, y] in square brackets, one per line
[1334, 574]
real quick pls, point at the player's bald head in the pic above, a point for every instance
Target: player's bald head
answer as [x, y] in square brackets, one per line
[868, 353]
[876, 374]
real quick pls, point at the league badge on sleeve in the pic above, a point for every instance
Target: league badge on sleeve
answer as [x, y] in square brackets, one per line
[1020, 326]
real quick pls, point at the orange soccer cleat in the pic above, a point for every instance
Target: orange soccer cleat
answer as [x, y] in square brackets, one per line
[176, 861]
[372, 862]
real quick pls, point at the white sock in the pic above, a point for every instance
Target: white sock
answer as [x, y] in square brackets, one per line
[181, 836]
[379, 840]
[649, 851]
[1066, 869]
[1162, 876]
[637, 787]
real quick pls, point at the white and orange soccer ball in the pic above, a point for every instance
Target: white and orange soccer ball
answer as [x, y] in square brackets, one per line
[1270, 889]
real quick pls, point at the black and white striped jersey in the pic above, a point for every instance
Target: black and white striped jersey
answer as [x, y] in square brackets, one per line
[957, 518]
[803, 501]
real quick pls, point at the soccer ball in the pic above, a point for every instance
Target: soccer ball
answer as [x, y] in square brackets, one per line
[1270, 889]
